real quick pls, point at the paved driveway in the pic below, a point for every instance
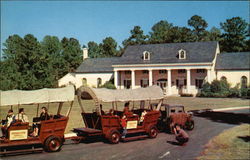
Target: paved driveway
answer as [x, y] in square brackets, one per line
[148, 149]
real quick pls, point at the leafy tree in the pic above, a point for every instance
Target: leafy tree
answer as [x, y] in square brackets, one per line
[30, 64]
[108, 47]
[181, 34]
[161, 32]
[136, 37]
[52, 49]
[12, 58]
[71, 53]
[10, 77]
[34, 64]
[214, 34]
[235, 34]
[23, 57]
[199, 26]
[247, 48]
[14, 48]
[120, 51]
[94, 49]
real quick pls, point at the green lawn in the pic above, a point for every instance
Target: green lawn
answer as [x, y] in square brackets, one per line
[230, 144]
[75, 119]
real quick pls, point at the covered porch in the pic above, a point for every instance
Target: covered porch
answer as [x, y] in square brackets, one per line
[173, 81]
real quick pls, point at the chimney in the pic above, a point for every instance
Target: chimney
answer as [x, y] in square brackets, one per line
[85, 53]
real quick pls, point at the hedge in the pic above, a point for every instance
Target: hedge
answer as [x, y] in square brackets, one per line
[222, 89]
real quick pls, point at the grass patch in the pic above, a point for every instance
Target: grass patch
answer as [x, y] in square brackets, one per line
[230, 144]
[75, 119]
[193, 103]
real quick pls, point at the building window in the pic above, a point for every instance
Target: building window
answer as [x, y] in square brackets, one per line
[127, 83]
[127, 72]
[182, 54]
[243, 82]
[162, 71]
[144, 71]
[144, 83]
[199, 83]
[180, 71]
[84, 82]
[223, 78]
[200, 71]
[99, 82]
[146, 55]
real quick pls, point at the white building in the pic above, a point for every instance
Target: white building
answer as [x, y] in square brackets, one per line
[176, 67]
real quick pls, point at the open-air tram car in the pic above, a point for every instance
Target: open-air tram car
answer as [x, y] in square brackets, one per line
[51, 132]
[108, 125]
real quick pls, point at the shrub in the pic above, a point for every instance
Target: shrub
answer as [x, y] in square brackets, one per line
[221, 89]
[220, 86]
[245, 92]
[186, 95]
[108, 85]
[234, 92]
[206, 87]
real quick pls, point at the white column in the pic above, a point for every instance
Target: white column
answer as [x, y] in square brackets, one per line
[188, 80]
[209, 75]
[116, 79]
[132, 79]
[169, 83]
[150, 78]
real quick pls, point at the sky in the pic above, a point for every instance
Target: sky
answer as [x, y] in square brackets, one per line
[96, 20]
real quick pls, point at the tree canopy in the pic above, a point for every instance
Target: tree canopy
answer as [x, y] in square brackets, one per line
[236, 31]
[161, 32]
[137, 37]
[29, 64]
[199, 27]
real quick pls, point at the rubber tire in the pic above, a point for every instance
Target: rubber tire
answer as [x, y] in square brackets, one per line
[53, 144]
[190, 125]
[153, 132]
[114, 137]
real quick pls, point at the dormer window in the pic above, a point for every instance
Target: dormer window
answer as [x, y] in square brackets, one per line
[182, 54]
[146, 55]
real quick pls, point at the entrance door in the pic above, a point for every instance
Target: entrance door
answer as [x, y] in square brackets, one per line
[127, 83]
[180, 89]
[162, 83]
[180, 83]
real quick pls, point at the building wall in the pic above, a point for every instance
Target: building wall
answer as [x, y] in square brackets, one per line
[213, 72]
[77, 79]
[92, 78]
[233, 76]
[195, 75]
[65, 80]
[157, 76]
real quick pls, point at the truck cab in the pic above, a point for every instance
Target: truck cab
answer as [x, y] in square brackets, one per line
[172, 115]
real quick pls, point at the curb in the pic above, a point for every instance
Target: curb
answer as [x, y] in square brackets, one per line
[231, 108]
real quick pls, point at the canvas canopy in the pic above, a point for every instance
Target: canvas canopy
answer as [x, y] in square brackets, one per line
[123, 95]
[15, 97]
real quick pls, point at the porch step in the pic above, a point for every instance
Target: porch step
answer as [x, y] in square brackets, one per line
[134, 138]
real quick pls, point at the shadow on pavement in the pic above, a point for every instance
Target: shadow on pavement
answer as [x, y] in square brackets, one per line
[245, 138]
[173, 143]
[224, 117]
